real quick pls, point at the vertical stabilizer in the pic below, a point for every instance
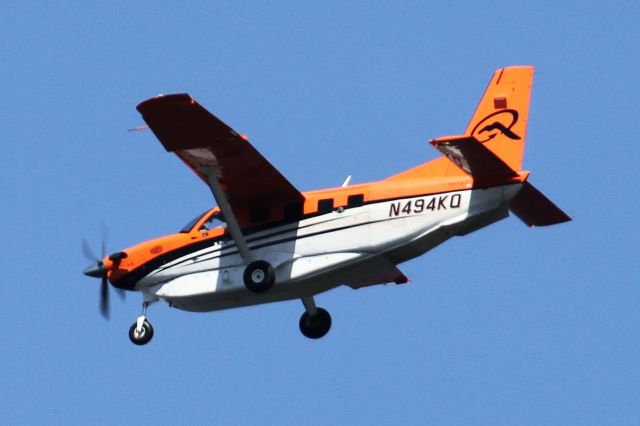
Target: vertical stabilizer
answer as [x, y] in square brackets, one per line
[500, 120]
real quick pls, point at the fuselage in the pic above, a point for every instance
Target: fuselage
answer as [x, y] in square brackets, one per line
[267, 241]
[338, 233]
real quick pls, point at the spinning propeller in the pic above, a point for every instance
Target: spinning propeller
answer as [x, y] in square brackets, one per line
[99, 270]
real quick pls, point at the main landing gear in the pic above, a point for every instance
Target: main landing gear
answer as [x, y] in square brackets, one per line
[315, 322]
[141, 331]
[259, 276]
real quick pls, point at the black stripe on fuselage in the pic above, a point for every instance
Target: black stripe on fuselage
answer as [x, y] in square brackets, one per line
[249, 241]
[275, 242]
[129, 281]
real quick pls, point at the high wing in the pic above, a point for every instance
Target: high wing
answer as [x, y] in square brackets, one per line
[218, 154]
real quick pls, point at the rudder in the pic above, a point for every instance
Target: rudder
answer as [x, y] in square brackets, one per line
[500, 120]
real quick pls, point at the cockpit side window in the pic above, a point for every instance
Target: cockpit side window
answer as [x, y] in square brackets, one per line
[214, 221]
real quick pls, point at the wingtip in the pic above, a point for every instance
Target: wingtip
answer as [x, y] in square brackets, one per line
[164, 100]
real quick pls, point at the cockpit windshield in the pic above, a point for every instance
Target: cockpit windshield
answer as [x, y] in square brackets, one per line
[215, 220]
[189, 226]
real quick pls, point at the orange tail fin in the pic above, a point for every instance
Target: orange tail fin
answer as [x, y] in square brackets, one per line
[500, 121]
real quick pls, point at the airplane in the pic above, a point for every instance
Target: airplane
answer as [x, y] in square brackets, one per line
[266, 241]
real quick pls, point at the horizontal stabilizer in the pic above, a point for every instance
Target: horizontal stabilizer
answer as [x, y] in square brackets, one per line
[473, 157]
[534, 209]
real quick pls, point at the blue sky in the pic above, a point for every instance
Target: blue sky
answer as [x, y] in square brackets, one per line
[506, 326]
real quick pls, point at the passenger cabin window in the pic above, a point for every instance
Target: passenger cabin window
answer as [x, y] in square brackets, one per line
[325, 206]
[259, 215]
[355, 200]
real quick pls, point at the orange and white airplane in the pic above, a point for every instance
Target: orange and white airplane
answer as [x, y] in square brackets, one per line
[266, 241]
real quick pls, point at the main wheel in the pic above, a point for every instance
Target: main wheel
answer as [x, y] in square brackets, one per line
[259, 276]
[314, 327]
[144, 336]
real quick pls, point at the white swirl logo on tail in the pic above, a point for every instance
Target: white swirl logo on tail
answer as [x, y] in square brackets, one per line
[499, 122]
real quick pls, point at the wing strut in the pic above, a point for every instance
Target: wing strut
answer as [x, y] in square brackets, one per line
[232, 223]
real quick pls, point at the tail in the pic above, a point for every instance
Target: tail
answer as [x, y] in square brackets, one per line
[492, 147]
[500, 120]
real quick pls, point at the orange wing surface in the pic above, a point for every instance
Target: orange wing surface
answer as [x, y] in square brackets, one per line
[251, 184]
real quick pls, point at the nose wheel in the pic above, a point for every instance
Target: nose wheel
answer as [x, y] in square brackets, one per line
[141, 335]
[141, 331]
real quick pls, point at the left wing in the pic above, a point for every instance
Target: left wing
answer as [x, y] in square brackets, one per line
[207, 145]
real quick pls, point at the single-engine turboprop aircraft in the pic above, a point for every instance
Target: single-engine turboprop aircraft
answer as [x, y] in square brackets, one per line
[266, 241]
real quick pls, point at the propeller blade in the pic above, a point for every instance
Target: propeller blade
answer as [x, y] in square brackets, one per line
[103, 240]
[104, 298]
[121, 293]
[88, 253]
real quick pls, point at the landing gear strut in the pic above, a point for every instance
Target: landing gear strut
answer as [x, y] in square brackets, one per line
[141, 331]
[315, 322]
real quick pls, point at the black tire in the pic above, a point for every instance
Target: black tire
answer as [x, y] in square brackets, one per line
[259, 276]
[317, 326]
[144, 337]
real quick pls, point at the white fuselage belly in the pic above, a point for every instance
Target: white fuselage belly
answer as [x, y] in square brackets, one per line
[309, 256]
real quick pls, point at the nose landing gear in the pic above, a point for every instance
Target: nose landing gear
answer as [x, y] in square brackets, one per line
[141, 331]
